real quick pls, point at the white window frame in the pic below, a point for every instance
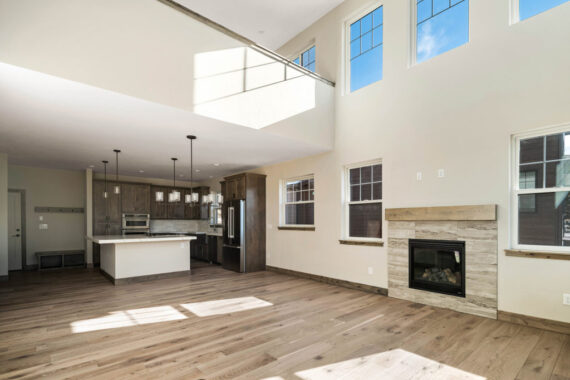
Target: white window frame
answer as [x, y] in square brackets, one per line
[346, 202]
[414, 33]
[346, 38]
[300, 54]
[516, 191]
[283, 201]
[515, 11]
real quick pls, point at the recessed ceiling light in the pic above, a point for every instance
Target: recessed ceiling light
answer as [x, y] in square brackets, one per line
[181, 175]
[261, 31]
[216, 164]
[91, 166]
[197, 170]
[141, 171]
[211, 176]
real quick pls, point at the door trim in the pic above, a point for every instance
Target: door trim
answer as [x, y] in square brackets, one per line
[23, 226]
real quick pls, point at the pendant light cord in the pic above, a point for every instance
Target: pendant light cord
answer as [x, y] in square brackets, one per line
[191, 166]
[105, 164]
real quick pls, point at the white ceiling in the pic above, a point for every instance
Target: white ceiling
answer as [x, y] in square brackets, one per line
[268, 23]
[52, 122]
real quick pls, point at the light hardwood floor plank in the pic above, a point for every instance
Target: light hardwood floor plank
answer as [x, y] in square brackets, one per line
[147, 331]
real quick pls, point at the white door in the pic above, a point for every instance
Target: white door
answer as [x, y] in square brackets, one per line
[14, 231]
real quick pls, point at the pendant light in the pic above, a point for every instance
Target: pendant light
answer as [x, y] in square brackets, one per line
[192, 197]
[105, 194]
[117, 187]
[174, 195]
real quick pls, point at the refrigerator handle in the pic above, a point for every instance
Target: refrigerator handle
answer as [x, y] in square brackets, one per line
[231, 222]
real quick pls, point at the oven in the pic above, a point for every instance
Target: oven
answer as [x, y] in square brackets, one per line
[135, 224]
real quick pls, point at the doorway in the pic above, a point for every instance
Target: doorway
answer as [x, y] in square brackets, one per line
[16, 230]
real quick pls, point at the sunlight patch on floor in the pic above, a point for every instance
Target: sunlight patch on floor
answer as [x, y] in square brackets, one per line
[231, 305]
[128, 318]
[396, 364]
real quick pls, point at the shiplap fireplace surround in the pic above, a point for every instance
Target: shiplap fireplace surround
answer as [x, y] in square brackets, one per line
[475, 225]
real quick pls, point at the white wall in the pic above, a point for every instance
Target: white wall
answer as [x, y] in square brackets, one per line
[53, 188]
[456, 111]
[3, 215]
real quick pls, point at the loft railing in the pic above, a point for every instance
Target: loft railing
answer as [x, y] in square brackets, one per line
[263, 50]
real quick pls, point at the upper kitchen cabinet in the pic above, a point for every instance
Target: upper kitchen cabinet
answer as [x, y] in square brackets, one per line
[196, 210]
[235, 187]
[175, 209]
[135, 198]
[106, 211]
[158, 207]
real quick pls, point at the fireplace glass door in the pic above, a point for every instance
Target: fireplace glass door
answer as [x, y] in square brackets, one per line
[437, 266]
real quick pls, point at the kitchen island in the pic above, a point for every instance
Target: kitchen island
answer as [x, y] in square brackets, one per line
[126, 259]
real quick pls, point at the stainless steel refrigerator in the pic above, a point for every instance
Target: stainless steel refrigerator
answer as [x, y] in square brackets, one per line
[234, 236]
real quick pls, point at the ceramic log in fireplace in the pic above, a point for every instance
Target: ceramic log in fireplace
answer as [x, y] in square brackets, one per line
[437, 266]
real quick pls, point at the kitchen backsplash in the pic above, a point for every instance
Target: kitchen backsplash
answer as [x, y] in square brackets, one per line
[158, 226]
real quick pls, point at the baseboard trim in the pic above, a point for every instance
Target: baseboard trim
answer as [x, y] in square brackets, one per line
[540, 323]
[331, 281]
[133, 280]
[4, 278]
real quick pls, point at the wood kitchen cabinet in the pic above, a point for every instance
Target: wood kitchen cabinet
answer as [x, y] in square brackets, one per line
[196, 210]
[158, 210]
[135, 198]
[235, 187]
[106, 211]
[175, 210]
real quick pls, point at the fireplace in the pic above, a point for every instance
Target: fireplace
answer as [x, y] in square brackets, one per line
[437, 266]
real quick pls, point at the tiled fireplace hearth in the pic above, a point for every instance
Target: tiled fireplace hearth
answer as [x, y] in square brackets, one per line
[440, 267]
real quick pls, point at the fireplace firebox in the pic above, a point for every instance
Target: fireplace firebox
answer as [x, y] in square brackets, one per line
[437, 266]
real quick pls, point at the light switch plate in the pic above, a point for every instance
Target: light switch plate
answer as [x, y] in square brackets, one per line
[43, 226]
[566, 299]
[419, 176]
[441, 173]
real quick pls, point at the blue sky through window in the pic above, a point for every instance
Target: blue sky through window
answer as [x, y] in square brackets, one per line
[529, 8]
[366, 55]
[442, 25]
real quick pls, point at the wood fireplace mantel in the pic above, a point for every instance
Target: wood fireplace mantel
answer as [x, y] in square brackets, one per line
[446, 213]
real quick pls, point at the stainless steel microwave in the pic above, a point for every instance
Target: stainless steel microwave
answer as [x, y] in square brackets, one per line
[136, 222]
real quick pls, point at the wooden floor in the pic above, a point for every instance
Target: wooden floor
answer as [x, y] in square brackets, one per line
[75, 324]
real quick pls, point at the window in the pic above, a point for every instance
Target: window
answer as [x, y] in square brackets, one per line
[363, 205]
[307, 59]
[529, 8]
[541, 202]
[298, 208]
[366, 37]
[441, 25]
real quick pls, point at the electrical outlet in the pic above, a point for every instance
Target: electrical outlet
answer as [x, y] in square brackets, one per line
[419, 176]
[370, 270]
[566, 299]
[41, 218]
[441, 173]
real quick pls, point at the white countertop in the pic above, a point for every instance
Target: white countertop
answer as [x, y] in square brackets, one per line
[120, 239]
